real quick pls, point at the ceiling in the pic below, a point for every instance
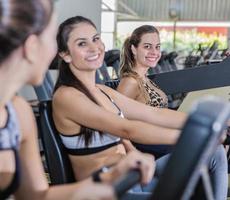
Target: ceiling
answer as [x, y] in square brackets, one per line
[166, 10]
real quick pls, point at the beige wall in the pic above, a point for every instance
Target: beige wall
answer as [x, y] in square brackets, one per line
[88, 8]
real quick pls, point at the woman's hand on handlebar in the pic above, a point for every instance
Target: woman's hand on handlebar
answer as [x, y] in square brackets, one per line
[134, 160]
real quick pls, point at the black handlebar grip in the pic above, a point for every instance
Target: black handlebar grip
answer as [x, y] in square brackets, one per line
[122, 185]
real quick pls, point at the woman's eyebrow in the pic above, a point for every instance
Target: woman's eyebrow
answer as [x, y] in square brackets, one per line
[77, 39]
[97, 34]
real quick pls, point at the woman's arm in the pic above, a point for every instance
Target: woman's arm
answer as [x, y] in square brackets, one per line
[72, 106]
[138, 111]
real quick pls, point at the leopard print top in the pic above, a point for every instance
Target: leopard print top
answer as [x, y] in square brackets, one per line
[155, 99]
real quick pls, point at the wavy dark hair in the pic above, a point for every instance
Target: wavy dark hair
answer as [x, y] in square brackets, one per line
[19, 19]
[66, 76]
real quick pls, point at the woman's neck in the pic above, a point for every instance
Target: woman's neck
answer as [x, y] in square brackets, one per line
[14, 73]
[10, 83]
[142, 71]
[86, 77]
[6, 92]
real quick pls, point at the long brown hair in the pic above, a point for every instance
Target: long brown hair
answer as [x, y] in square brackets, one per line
[66, 76]
[127, 58]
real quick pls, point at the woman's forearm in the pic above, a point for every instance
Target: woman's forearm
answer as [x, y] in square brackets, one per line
[144, 133]
[163, 117]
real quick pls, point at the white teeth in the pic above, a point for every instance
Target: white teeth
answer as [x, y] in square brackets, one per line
[151, 59]
[91, 58]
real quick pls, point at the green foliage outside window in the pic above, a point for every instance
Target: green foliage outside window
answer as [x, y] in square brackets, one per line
[186, 40]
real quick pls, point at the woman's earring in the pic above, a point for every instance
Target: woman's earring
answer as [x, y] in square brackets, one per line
[68, 60]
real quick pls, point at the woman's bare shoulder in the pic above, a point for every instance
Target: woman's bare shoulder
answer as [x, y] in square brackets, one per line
[65, 93]
[21, 105]
[129, 80]
[25, 116]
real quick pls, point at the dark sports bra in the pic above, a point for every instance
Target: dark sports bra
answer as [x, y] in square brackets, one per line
[10, 140]
[75, 144]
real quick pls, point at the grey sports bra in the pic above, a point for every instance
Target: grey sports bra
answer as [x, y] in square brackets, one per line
[10, 140]
[10, 134]
[75, 144]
